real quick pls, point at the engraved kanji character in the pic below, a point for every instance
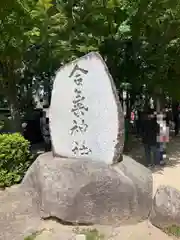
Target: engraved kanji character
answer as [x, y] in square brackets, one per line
[75, 148]
[77, 68]
[80, 126]
[78, 80]
[78, 92]
[81, 148]
[84, 150]
[78, 106]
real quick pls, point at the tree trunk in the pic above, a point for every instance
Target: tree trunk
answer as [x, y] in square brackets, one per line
[159, 99]
[158, 104]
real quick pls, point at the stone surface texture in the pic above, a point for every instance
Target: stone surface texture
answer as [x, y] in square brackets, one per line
[84, 191]
[18, 220]
[18, 216]
[143, 181]
[81, 122]
[166, 207]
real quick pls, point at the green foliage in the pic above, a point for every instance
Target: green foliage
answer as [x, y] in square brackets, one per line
[31, 237]
[40, 35]
[15, 158]
[91, 234]
[173, 231]
[156, 42]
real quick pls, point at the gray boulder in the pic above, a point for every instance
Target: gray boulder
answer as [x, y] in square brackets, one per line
[143, 181]
[82, 191]
[166, 207]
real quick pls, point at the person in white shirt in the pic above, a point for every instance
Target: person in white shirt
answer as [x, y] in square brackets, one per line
[163, 137]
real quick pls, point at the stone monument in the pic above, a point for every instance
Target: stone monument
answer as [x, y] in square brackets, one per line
[86, 118]
[78, 183]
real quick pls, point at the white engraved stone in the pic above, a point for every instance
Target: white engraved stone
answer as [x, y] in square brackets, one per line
[86, 118]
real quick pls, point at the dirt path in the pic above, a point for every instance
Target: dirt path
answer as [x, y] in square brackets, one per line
[17, 216]
[141, 231]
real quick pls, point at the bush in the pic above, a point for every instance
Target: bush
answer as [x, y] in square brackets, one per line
[15, 158]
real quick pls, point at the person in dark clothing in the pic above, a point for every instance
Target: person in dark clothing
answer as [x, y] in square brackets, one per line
[176, 123]
[139, 123]
[175, 112]
[150, 131]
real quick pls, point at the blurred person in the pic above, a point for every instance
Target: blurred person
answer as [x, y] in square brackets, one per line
[162, 137]
[150, 130]
[138, 123]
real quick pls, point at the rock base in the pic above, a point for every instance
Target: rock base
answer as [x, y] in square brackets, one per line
[88, 192]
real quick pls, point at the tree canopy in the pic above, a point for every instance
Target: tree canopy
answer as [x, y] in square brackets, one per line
[139, 40]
